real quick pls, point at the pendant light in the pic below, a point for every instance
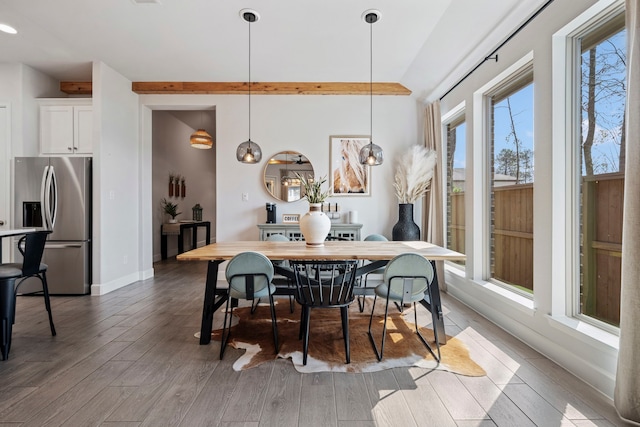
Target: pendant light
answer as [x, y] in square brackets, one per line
[200, 138]
[371, 154]
[249, 151]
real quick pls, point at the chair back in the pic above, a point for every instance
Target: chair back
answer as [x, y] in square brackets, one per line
[376, 238]
[408, 274]
[31, 246]
[324, 283]
[249, 272]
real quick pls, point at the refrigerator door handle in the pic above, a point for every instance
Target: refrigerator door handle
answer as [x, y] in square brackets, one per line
[44, 200]
[62, 245]
[54, 194]
[49, 197]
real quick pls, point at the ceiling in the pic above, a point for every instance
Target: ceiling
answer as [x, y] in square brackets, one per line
[423, 44]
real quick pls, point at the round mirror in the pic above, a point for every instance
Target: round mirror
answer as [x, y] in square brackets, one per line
[280, 175]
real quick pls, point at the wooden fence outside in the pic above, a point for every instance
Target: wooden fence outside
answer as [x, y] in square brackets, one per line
[513, 240]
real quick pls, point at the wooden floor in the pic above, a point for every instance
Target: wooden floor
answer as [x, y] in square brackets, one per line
[129, 358]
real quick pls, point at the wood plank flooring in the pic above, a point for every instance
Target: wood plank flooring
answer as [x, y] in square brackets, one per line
[129, 358]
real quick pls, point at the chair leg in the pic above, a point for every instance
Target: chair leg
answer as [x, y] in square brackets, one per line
[47, 302]
[305, 344]
[344, 313]
[379, 353]
[274, 323]
[424, 341]
[225, 334]
[303, 318]
[254, 305]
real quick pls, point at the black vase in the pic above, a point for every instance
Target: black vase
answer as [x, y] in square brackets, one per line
[405, 228]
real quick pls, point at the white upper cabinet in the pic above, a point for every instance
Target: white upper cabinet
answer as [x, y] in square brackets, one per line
[66, 126]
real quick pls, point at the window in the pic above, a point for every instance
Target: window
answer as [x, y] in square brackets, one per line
[510, 176]
[456, 176]
[600, 179]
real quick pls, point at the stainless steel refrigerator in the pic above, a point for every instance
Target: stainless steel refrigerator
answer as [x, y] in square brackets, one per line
[55, 193]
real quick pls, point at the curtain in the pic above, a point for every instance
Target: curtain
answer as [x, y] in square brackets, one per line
[627, 390]
[433, 217]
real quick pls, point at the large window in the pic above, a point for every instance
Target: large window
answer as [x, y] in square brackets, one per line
[510, 178]
[456, 176]
[601, 181]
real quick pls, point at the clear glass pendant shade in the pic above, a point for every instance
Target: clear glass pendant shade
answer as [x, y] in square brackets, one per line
[371, 155]
[249, 152]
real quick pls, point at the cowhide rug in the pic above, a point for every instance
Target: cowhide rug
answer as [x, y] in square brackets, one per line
[403, 347]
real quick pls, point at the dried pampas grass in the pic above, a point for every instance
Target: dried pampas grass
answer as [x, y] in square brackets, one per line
[414, 173]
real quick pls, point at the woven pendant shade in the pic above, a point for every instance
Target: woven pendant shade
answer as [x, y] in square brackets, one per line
[201, 139]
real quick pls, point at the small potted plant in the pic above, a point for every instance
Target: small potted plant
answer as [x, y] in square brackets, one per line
[170, 209]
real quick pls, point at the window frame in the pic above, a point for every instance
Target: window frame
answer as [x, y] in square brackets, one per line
[566, 165]
[511, 77]
[457, 115]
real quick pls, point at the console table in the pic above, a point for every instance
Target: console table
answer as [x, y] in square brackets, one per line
[178, 229]
[292, 231]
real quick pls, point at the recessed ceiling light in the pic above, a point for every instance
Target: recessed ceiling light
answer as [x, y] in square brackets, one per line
[8, 29]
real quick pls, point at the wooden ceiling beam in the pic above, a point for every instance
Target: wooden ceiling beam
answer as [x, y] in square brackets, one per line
[241, 88]
[269, 88]
[76, 88]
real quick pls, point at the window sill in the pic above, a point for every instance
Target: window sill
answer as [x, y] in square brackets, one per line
[496, 292]
[585, 331]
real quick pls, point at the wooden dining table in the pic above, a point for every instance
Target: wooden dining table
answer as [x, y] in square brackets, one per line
[378, 254]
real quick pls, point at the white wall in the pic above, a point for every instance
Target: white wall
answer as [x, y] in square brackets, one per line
[20, 86]
[173, 153]
[118, 223]
[302, 123]
[586, 353]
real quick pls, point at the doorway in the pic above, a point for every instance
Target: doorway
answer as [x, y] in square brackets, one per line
[192, 171]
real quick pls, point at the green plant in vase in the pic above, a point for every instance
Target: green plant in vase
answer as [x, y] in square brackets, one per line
[170, 209]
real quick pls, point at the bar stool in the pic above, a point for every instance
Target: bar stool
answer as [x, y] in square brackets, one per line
[10, 273]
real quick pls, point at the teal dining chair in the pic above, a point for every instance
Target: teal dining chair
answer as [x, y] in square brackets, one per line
[249, 275]
[406, 279]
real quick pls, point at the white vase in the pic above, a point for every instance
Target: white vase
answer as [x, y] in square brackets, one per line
[315, 225]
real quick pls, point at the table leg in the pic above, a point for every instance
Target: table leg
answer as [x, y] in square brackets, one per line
[208, 227]
[163, 245]
[181, 239]
[194, 237]
[435, 306]
[210, 304]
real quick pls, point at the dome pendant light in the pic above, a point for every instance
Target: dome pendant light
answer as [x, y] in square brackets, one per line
[249, 151]
[371, 154]
[200, 138]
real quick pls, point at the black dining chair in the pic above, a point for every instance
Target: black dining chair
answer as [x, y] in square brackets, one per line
[324, 284]
[31, 246]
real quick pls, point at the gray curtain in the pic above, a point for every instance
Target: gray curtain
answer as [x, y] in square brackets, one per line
[433, 217]
[627, 391]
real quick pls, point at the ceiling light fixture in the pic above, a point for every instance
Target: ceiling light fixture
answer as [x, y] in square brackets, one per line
[200, 138]
[371, 154]
[249, 151]
[8, 29]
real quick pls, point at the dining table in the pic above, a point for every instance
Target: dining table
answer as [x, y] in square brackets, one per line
[376, 253]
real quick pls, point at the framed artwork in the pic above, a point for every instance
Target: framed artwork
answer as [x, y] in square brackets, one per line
[347, 177]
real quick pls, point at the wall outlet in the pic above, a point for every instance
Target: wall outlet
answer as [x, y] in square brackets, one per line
[245, 197]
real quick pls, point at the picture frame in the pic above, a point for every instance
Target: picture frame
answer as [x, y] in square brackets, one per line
[347, 177]
[290, 218]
